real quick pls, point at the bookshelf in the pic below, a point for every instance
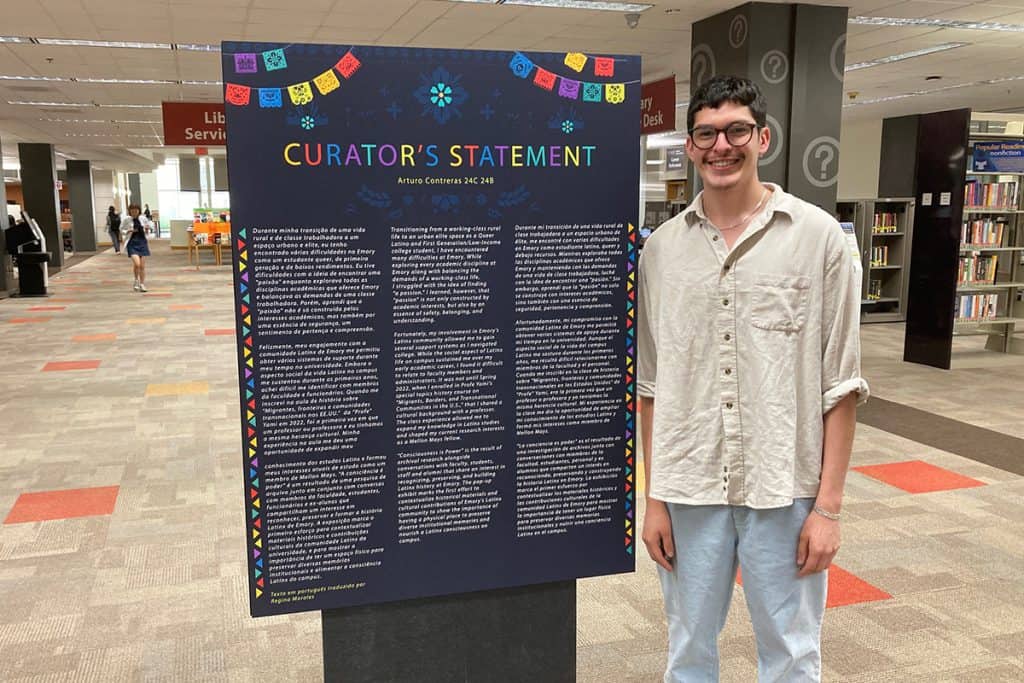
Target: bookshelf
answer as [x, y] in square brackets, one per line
[884, 229]
[990, 275]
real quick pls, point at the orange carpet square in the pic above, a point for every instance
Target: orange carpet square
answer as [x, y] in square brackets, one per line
[217, 333]
[844, 588]
[94, 337]
[59, 300]
[916, 476]
[62, 365]
[47, 308]
[186, 307]
[45, 505]
[29, 321]
[160, 294]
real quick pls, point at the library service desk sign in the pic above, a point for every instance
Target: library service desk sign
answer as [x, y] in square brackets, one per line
[434, 270]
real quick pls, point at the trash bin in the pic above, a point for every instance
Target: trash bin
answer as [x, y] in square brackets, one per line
[32, 272]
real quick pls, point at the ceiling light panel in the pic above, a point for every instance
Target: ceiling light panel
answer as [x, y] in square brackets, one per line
[932, 91]
[937, 23]
[904, 55]
[77, 42]
[568, 4]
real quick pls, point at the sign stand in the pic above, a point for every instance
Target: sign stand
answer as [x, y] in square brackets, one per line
[512, 634]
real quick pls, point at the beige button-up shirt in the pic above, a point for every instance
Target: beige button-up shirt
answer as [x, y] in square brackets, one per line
[745, 351]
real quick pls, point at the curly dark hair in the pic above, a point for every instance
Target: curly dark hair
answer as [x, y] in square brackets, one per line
[742, 91]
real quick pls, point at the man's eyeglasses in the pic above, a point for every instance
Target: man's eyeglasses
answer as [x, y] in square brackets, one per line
[737, 134]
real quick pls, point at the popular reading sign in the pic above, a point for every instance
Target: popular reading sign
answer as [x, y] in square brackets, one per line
[434, 260]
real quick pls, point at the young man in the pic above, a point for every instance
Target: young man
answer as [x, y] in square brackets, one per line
[749, 376]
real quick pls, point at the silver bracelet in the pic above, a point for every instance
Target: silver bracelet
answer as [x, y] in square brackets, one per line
[834, 516]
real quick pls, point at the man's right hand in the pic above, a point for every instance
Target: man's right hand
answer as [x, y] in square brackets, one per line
[657, 533]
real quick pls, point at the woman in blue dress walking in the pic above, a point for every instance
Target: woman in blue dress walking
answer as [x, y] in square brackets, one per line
[138, 245]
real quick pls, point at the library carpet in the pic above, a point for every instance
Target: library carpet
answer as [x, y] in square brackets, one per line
[122, 552]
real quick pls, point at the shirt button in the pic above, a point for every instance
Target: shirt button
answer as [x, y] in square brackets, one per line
[728, 371]
[725, 302]
[728, 337]
[715, 238]
[729, 406]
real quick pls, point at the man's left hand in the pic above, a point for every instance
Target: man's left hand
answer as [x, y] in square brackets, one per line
[818, 544]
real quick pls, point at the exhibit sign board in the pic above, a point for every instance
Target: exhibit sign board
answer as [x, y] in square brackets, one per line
[998, 156]
[434, 276]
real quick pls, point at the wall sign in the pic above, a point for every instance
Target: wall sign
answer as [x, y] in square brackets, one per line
[194, 124]
[658, 106]
[1007, 157]
[434, 259]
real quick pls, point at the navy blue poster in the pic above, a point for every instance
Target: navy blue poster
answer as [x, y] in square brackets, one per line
[434, 256]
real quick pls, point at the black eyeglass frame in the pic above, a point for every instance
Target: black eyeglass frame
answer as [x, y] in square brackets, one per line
[719, 131]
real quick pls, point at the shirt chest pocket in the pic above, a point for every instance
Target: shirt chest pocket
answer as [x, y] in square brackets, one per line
[779, 302]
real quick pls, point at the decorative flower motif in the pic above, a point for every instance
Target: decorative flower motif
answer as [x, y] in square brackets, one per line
[306, 118]
[567, 121]
[441, 95]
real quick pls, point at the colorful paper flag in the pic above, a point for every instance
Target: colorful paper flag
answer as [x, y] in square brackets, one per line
[246, 63]
[236, 94]
[592, 92]
[270, 98]
[544, 79]
[604, 66]
[274, 60]
[300, 93]
[327, 82]
[569, 88]
[348, 65]
[521, 65]
[576, 61]
[615, 92]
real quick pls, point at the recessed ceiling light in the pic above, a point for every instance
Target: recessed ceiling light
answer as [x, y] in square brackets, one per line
[937, 23]
[129, 106]
[77, 42]
[932, 91]
[905, 55]
[197, 47]
[569, 4]
[105, 81]
[48, 104]
[80, 104]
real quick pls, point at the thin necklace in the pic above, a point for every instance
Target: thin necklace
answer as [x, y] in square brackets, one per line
[760, 203]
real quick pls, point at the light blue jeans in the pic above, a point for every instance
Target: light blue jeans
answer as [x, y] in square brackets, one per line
[786, 610]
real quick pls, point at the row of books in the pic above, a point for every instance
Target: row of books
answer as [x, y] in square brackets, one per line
[991, 195]
[884, 222]
[986, 233]
[880, 256]
[874, 290]
[976, 307]
[976, 269]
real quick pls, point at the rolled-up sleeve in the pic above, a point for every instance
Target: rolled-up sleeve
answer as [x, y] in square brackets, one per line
[840, 328]
[647, 349]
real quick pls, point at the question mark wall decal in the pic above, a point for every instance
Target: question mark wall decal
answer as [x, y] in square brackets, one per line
[825, 154]
[774, 66]
[738, 31]
[702, 63]
[821, 152]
